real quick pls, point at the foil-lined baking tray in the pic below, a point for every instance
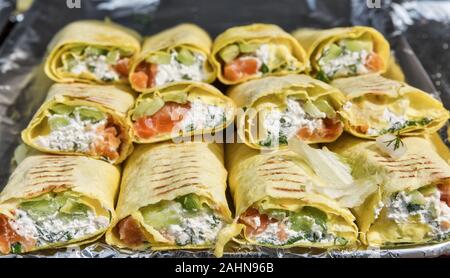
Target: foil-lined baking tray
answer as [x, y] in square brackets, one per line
[23, 85]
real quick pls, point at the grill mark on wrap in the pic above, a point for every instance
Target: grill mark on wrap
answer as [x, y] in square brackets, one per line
[414, 169]
[288, 189]
[175, 163]
[182, 154]
[191, 178]
[185, 167]
[171, 176]
[288, 180]
[55, 171]
[273, 169]
[61, 182]
[281, 173]
[195, 184]
[188, 157]
[46, 166]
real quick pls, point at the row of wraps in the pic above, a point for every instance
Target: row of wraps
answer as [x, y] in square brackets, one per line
[104, 156]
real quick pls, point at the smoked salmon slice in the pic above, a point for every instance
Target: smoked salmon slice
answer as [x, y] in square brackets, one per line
[144, 76]
[8, 236]
[240, 68]
[130, 232]
[374, 62]
[163, 121]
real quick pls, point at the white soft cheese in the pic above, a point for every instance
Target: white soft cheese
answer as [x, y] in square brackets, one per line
[342, 66]
[263, 53]
[378, 210]
[203, 116]
[289, 121]
[393, 119]
[347, 106]
[176, 71]
[78, 135]
[53, 229]
[198, 230]
[97, 66]
[270, 234]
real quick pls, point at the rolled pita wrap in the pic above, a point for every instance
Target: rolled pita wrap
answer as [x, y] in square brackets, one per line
[344, 51]
[177, 54]
[276, 109]
[93, 52]
[172, 197]
[376, 106]
[180, 109]
[83, 119]
[55, 201]
[248, 52]
[278, 203]
[411, 204]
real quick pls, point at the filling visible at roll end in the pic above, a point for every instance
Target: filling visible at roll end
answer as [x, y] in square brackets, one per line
[310, 121]
[277, 227]
[348, 57]
[53, 219]
[81, 129]
[178, 114]
[96, 63]
[252, 59]
[164, 67]
[185, 221]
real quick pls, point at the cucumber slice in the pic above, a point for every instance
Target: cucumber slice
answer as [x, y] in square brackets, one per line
[357, 45]
[148, 107]
[175, 97]
[428, 190]
[248, 47]
[325, 107]
[58, 122]
[278, 214]
[77, 51]
[73, 207]
[417, 198]
[186, 57]
[229, 53]
[40, 208]
[306, 218]
[112, 57]
[91, 114]
[94, 51]
[301, 223]
[312, 110]
[162, 216]
[190, 202]
[159, 58]
[61, 109]
[332, 53]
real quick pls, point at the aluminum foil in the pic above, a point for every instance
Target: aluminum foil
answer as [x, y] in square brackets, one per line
[412, 27]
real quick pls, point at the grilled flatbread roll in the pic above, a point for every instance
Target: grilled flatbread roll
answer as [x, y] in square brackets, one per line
[181, 109]
[91, 51]
[55, 201]
[279, 204]
[172, 197]
[276, 109]
[253, 51]
[411, 205]
[376, 106]
[177, 54]
[83, 119]
[344, 51]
